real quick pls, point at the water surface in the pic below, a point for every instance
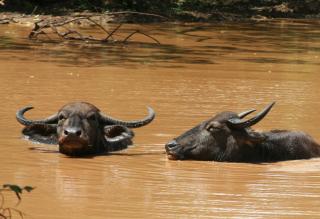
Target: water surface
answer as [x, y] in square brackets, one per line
[197, 71]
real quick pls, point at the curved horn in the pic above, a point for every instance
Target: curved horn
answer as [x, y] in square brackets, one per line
[130, 124]
[21, 119]
[245, 113]
[236, 123]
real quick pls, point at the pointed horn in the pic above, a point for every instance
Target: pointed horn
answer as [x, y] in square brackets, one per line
[21, 119]
[245, 113]
[129, 124]
[238, 124]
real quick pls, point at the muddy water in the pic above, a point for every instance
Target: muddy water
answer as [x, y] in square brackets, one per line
[197, 71]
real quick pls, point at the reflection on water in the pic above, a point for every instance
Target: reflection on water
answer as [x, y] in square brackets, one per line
[197, 71]
[198, 44]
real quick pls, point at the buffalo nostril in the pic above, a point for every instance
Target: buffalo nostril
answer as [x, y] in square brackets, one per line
[171, 144]
[72, 132]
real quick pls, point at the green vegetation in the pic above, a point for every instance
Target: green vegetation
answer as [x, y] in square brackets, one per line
[174, 8]
[9, 212]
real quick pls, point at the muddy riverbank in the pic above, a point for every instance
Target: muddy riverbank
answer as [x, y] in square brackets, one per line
[172, 10]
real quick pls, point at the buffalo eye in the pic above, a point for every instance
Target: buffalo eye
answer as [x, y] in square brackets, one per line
[214, 126]
[92, 117]
[62, 117]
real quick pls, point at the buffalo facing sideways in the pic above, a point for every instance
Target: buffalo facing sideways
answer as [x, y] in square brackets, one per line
[226, 137]
[80, 128]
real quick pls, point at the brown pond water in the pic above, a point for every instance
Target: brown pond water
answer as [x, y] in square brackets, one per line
[198, 71]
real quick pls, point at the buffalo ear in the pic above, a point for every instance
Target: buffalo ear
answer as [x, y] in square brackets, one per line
[41, 133]
[253, 138]
[118, 137]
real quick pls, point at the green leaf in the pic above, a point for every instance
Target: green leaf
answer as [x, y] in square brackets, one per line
[28, 188]
[16, 189]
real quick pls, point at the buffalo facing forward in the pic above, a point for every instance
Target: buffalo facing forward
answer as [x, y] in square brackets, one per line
[226, 137]
[81, 129]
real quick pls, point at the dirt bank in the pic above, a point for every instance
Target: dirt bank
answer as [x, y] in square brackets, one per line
[173, 10]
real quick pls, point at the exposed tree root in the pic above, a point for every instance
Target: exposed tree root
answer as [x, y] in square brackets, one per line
[8, 20]
[67, 28]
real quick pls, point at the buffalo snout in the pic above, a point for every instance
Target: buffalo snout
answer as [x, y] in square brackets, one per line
[72, 132]
[170, 145]
[170, 149]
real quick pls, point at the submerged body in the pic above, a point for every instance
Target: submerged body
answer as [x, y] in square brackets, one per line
[81, 129]
[278, 145]
[226, 137]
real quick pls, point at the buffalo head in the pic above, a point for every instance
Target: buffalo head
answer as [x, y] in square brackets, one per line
[80, 129]
[225, 137]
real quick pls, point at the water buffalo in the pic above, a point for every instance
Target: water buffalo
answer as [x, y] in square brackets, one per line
[226, 137]
[81, 129]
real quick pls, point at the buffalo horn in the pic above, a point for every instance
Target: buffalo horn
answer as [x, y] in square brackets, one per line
[245, 113]
[21, 119]
[129, 124]
[238, 124]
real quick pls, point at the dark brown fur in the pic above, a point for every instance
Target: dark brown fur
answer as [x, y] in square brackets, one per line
[80, 129]
[218, 140]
